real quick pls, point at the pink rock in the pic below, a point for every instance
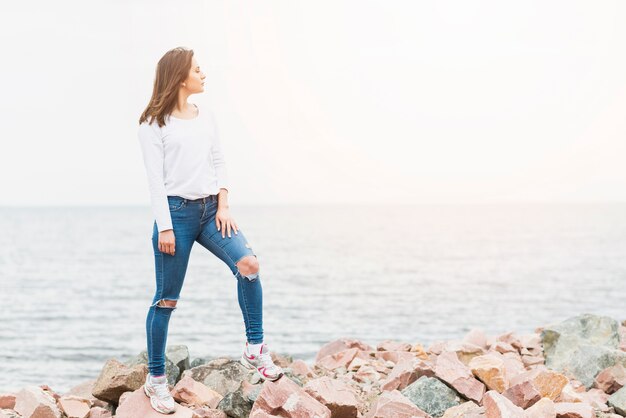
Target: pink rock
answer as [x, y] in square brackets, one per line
[403, 374]
[466, 410]
[7, 400]
[523, 394]
[394, 404]
[497, 406]
[389, 345]
[74, 406]
[512, 365]
[569, 394]
[206, 412]
[138, 405]
[337, 395]
[366, 374]
[573, 410]
[338, 359]
[300, 368]
[465, 351]
[450, 369]
[544, 408]
[396, 356]
[84, 390]
[477, 337]
[99, 412]
[34, 402]
[285, 398]
[195, 393]
[611, 379]
[340, 345]
[532, 360]
[356, 363]
[124, 396]
[596, 398]
[489, 368]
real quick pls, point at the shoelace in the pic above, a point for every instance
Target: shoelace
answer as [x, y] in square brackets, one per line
[161, 390]
[266, 361]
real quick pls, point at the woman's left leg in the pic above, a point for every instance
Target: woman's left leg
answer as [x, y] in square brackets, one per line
[237, 253]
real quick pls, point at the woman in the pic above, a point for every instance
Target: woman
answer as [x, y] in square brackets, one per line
[188, 184]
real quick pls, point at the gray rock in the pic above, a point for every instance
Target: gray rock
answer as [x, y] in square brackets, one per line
[432, 396]
[618, 401]
[9, 413]
[223, 375]
[179, 355]
[236, 404]
[171, 370]
[582, 346]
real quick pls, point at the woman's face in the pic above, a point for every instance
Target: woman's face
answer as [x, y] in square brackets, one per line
[195, 80]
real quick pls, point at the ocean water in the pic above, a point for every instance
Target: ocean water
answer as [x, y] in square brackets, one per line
[76, 282]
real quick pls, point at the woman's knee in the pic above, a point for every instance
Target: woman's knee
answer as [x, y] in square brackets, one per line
[248, 265]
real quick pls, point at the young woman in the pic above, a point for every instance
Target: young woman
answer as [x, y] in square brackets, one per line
[188, 184]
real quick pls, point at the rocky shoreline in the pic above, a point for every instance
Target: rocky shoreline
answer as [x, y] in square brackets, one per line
[572, 369]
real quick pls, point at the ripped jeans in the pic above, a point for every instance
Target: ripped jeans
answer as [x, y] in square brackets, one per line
[194, 220]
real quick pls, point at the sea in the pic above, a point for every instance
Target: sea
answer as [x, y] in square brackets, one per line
[76, 282]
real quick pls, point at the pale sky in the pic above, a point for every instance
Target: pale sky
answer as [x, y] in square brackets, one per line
[324, 102]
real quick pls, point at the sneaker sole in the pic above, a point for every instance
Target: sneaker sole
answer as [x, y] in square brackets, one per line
[244, 361]
[156, 407]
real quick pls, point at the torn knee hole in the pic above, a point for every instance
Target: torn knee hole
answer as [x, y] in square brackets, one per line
[166, 303]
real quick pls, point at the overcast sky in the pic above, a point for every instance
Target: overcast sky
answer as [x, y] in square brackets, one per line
[324, 101]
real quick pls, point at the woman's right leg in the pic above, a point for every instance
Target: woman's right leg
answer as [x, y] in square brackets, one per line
[170, 274]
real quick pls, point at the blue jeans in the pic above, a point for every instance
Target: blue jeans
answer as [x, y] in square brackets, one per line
[194, 220]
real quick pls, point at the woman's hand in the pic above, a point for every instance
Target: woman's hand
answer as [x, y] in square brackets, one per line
[167, 241]
[225, 222]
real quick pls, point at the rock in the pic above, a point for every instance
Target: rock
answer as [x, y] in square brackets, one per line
[523, 394]
[389, 345]
[137, 404]
[476, 337]
[465, 351]
[223, 375]
[498, 406]
[343, 344]
[74, 406]
[9, 413]
[582, 346]
[85, 390]
[450, 369]
[285, 398]
[489, 368]
[544, 408]
[33, 401]
[403, 374]
[338, 359]
[465, 410]
[301, 369]
[392, 404]
[236, 404]
[431, 395]
[337, 395]
[206, 412]
[99, 412]
[618, 401]
[573, 410]
[117, 378]
[172, 371]
[195, 393]
[611, 379]
[179, 355]
[7, 400]
[547, 382]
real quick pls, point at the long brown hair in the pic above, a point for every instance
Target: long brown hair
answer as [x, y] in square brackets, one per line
[172, 69]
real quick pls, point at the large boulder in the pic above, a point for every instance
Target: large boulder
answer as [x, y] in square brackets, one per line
[582, 346]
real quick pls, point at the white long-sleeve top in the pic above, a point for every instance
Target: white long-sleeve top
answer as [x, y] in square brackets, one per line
[182, 158]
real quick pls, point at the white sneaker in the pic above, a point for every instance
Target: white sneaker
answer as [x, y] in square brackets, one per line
[262, 363]
[160, 397]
